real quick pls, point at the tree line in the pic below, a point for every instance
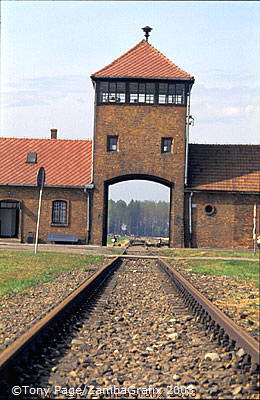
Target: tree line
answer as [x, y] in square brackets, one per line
[138, 218]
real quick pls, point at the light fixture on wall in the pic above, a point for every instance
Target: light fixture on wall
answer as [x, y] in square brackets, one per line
[191, 120]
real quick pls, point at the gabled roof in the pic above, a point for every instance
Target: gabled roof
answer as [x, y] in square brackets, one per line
[69, 163]
[142, 61]
[224, 167]
[66, 162]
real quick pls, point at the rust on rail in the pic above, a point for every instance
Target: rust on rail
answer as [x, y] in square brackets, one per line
[241, 337]
[186, 289]
[22, 342]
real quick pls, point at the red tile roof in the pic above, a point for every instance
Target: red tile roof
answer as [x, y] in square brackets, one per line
[142, 61]
[224, 167]
[66, 162]
[69, 163]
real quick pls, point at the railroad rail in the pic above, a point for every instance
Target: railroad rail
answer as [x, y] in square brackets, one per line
[225, 331]
[137, 242]
[147, 243]
[20, 348]
[221, 327]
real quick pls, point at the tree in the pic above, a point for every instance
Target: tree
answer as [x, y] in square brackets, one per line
[142, 218]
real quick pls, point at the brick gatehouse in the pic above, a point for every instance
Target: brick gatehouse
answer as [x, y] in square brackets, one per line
[141, 131]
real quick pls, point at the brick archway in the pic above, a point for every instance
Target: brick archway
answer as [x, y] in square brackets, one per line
[131, 177]
[138, 132]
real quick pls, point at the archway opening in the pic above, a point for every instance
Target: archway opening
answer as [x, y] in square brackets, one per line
[138, 208]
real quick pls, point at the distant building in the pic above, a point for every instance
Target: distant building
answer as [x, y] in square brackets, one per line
[142, 117]
[66, 194]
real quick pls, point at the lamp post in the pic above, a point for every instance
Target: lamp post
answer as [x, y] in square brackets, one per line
[40, 183]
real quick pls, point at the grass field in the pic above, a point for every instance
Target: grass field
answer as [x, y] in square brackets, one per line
[20, 270]
[235, 268]
[209, 253]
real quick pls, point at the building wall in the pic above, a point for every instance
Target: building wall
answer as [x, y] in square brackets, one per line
[139, 129]
[29, 198]
[230, 226]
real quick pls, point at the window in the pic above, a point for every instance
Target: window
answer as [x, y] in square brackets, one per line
[32, 158]
[166, 145]
[59, 212]
[141, 92]
[171, 93]
[209, 209]
[10, 204]
[112, 92]
[112, 143]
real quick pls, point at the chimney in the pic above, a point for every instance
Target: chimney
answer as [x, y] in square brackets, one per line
[53, 133]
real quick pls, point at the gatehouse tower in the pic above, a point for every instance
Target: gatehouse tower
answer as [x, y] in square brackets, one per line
[140, 132]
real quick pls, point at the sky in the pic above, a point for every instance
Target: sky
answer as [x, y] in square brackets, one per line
[49, 49]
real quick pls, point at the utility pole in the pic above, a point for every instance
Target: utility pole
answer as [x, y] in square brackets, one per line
[40, 183]
[254, 229]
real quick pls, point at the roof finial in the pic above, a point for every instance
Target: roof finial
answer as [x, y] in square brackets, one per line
[147, 30]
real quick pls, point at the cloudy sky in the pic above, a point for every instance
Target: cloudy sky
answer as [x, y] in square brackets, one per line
[49, 49]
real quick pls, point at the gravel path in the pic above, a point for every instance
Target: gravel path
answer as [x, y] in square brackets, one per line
[19, 311]
[239, 299]
[139, 339]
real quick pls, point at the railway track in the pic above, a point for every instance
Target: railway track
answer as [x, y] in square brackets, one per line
[141, 247]
[135, 323]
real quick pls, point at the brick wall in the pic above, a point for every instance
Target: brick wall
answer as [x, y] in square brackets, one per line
[139, 129]
[29, 198]
[230, 226]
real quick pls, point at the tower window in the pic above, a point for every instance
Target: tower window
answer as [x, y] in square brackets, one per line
[32, 158]
[171, 93]
[59, 212]
[142, 92]
[112, 143]
[112, 92]
[166, 145]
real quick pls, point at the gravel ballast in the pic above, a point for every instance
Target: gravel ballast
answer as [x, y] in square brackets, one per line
[237, 298]
[139, 337]
[19, 311]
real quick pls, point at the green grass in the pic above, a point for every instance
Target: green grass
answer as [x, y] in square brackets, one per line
[20, 270]
[235, 268]
[209, 253]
